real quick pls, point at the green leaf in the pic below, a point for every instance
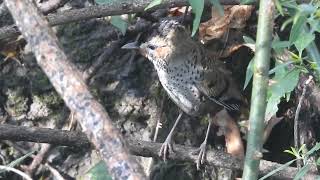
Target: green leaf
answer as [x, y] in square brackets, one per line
[318, 162]
[249, 73]
[101, 2]
[289, 152]
[278, 169]
[279, 7]
[278, 67]
[297, 28]
[119, 23]
[302, 172]
[153, 3]
[306, 8]
[246, 1]
[302, 148]
[248, 40]
[280, 44]
[197, 8]
[312, 150]
[303, 41]
[99, 171]
[216, 4]
[284, 83]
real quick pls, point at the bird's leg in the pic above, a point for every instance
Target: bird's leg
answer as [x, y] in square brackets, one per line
[167, 146]
[202, 148]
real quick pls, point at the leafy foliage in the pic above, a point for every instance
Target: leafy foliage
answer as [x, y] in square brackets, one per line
[284, 82]
[298, 154]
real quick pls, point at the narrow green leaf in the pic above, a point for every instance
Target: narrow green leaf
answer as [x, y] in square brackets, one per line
[295, 152]
[119, 23]
[312, 150]
[303, 41]
[249, 74]
[216, 4]
[153, 3]
[289, 152]
[197, 8]
[248, 40]
[303, 146]
[286, 23]
[19, 160]
[279, 7]
[297, 28]
[302, 172]
[278, 169]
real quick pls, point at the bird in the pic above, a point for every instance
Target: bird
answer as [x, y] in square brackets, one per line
[198, 84]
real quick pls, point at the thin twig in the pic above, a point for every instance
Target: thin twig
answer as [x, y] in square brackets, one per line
[22, 174]
[296, 131]
[54, 172]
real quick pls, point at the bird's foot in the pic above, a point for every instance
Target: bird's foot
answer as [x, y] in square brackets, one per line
[201, 154]
[166, 149]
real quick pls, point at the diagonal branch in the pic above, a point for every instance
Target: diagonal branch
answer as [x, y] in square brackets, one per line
[69, 84]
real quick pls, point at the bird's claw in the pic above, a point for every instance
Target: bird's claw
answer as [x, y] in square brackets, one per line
[201, 155]
[166, 148]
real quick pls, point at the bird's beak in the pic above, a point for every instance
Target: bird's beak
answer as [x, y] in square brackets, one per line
[132, 45]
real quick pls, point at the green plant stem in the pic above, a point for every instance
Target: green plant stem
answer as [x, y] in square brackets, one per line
[259, 90]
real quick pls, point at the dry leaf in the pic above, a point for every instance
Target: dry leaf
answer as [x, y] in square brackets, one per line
[234, 17]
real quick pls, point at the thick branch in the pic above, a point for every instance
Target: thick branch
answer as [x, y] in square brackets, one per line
[43, 135]
[68, 82]
[136, 147]
[114, 8]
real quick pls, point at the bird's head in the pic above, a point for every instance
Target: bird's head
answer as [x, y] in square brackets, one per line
[166, 43]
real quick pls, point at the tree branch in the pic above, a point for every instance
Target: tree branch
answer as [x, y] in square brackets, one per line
[67, 81]
[114, 8]
[139, 148]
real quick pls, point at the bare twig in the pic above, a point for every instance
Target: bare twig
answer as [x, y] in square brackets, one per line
[37, 159]
[22, 174]
[296, 131]
[54, 172]
[69, 84]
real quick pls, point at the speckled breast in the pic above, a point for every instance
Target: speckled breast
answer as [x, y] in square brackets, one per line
[180, 81]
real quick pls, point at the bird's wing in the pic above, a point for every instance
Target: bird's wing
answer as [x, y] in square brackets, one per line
[216, 84]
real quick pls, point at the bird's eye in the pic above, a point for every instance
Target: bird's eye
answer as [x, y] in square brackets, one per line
[152, 47]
